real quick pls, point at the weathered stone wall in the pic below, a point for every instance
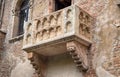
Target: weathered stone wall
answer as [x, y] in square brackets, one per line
[105, 36]
[105, 48]
[13, 57]
[6, 15]
[42, 5]
[62, 65]
[15, 61]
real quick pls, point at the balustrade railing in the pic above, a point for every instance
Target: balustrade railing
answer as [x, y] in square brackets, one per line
[70, 21]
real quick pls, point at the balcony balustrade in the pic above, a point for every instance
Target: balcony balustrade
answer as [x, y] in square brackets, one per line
[48, 35]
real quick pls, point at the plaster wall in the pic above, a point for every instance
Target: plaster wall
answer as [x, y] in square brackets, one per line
[61, 66]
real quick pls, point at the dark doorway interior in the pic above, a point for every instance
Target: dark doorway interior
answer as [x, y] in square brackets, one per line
[60, 4]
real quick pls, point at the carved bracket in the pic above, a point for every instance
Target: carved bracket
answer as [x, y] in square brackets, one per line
[39, 64]
[79, 55]
[91, 73]
[35, 65]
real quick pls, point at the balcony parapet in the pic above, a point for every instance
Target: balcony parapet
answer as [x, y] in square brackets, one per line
[57, 28]
[66, 30]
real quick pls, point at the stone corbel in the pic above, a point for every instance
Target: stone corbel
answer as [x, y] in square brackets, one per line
[32, 58]
[91, 73]
[79, 55]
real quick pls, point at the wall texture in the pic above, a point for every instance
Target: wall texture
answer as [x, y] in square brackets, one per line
[105, 48]
[62, 65]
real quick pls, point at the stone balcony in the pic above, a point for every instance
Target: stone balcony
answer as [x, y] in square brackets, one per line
[48, 35]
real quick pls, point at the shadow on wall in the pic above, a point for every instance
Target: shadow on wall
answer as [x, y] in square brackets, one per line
[23, 69]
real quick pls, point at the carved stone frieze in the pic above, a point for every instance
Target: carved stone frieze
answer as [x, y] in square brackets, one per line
[85, 25]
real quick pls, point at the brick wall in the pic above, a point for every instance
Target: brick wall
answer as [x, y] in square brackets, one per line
[105, 34]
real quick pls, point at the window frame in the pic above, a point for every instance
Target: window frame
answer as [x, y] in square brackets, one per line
[15, 19]
[2, 5]
[23, 16]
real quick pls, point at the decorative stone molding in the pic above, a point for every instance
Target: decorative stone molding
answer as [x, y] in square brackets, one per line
[17, 38]
[91, 73]
[79, 55]
[33, 58]
[15, 18]
[39, 63]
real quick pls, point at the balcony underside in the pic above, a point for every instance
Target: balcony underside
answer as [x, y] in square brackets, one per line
[56, 46]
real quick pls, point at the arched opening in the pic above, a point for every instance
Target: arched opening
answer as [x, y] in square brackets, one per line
[23, 16]
[20, 15]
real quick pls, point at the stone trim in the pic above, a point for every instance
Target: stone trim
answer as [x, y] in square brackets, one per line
[38, 64]
[2, 32]
[2, 12]
[17, 38]
[35, 66]
[15, 18]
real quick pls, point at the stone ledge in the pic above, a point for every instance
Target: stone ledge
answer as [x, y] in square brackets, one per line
[17, 38]
[2, 32]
